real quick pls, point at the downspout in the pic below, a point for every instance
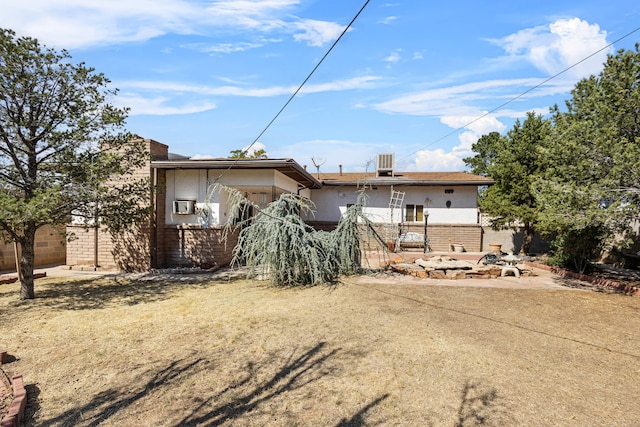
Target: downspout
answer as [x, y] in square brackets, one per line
[154, 219]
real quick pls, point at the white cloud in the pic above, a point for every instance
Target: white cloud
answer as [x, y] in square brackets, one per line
[257, 146]
[455, 100]
[158, 105]
[437, 160]
[559, 45]
[317, 33]
[388, 19]
[78, 23]
[225, 48]
[202, 157]
[163, 98]
[181, 88]
[441, 160]
[479, 126]
[393, 56]
[73, 24]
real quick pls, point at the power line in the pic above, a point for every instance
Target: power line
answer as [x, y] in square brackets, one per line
[453, 132]
[298, 89]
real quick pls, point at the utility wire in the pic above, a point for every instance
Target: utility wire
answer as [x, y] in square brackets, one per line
[522, 94]
[297, 90]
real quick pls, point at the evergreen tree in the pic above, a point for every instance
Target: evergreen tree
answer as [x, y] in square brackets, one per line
[61, 146]
[589, 195]
[512, 161]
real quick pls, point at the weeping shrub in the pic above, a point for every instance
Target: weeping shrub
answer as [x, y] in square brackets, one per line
[277, 244]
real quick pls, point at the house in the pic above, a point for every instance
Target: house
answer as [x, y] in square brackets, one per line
[447, 202]
[187, 224]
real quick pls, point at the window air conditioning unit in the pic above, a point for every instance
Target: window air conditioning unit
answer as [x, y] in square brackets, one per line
[184, 207]
[385, 164]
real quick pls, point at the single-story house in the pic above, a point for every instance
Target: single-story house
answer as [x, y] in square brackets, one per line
[187, 222]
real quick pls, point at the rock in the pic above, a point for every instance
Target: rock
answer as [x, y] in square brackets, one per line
[477, 275]
[445, 264]
[491, 270]
[456, 274]
[437, 274]
[409, 269]
[396, 260]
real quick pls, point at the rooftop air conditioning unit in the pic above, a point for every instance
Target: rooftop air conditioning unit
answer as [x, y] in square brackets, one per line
[184, 207]
[385, 164]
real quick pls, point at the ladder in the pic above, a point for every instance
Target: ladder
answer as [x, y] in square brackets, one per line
[391, 230]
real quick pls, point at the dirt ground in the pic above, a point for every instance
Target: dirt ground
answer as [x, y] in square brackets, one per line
[170, 350]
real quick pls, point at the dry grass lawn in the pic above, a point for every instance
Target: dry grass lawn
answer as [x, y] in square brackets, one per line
[190, 351]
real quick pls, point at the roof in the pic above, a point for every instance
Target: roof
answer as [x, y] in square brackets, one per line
[287, 167]
[405, 178]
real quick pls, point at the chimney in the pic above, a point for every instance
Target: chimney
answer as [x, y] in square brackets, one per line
[340, 166]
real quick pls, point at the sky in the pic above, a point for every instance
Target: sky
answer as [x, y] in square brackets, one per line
[420, 79]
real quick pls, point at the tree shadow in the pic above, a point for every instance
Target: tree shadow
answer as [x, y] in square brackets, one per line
[234, 400]
[481, 406]
[294, 374]
[358, 419]
[584, 285]
[113, 290]
[33, 404]
[109, 402]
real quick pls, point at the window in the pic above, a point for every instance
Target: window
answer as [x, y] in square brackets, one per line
[414, 213]
[448, 191]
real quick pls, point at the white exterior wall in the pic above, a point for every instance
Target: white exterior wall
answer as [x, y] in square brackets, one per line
[331, 202]
[192, 184]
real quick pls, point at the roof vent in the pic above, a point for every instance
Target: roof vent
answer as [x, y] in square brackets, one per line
[385, 164]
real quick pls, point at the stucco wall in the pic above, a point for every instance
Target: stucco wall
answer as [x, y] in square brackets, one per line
[511, 241]
[193, 184]
[331, 202]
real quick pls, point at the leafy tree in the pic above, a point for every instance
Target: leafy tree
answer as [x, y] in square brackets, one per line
[589, 194]
[62, 148]
[512, 161]
[243, 154]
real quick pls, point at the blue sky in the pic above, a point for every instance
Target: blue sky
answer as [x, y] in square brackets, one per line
[205, 77]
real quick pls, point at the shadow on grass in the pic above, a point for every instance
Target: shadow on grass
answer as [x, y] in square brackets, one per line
[113, 290]
[585, 285]
[33, 404]
[237, 399]
[108, 403]
[294, 374]
[358, 419]
[481, 406]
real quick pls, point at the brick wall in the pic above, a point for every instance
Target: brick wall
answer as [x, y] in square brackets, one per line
[193, 246]
[441, 236]
[130, 251]
[125, 252]
[158, 244]
[49, 249]
[151, 244]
